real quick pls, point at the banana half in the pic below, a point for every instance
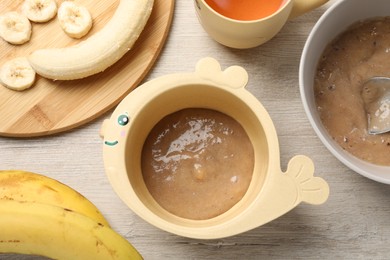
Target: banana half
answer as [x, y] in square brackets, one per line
[99, 51]
[33, 187]
[33, 228]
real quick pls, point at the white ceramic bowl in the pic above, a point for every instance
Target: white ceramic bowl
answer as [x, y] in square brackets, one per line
[335, 20]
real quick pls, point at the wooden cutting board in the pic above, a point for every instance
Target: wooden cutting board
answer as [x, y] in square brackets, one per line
[55, 106]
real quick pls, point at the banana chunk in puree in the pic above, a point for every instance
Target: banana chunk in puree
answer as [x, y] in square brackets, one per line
[197, 163]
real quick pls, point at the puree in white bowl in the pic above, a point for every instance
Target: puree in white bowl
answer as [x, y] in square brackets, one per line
[359, 53]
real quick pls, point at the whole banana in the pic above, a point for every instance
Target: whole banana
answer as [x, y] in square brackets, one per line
[41, 229]
[32, 187]
[100, 50]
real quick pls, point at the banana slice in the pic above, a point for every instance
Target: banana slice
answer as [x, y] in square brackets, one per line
[15, 28]
[39, 11]
[17, 74]
[74, 19]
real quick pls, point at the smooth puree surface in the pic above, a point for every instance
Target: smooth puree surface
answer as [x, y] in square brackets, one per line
[361, 52]
[197, 163]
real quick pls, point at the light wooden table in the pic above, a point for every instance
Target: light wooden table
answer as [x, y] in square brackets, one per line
[353, 224]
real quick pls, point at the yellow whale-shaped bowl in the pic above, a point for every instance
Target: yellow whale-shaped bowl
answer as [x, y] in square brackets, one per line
[271, 193]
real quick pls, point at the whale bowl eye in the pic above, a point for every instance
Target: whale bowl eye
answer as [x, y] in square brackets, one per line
[123, 120]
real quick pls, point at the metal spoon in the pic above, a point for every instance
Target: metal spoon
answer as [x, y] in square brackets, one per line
[376, 97]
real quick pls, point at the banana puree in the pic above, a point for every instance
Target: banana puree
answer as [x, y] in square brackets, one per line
[197, 163]
[361, 52]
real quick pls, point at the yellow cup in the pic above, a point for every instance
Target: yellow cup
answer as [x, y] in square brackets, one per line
[248, 34]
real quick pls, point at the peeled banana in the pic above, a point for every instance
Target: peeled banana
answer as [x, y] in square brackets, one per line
[100, 50]
[58, 233]
[15, 28]
[75, 20]
[32, 187]
[17, 74]
[39, 11]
